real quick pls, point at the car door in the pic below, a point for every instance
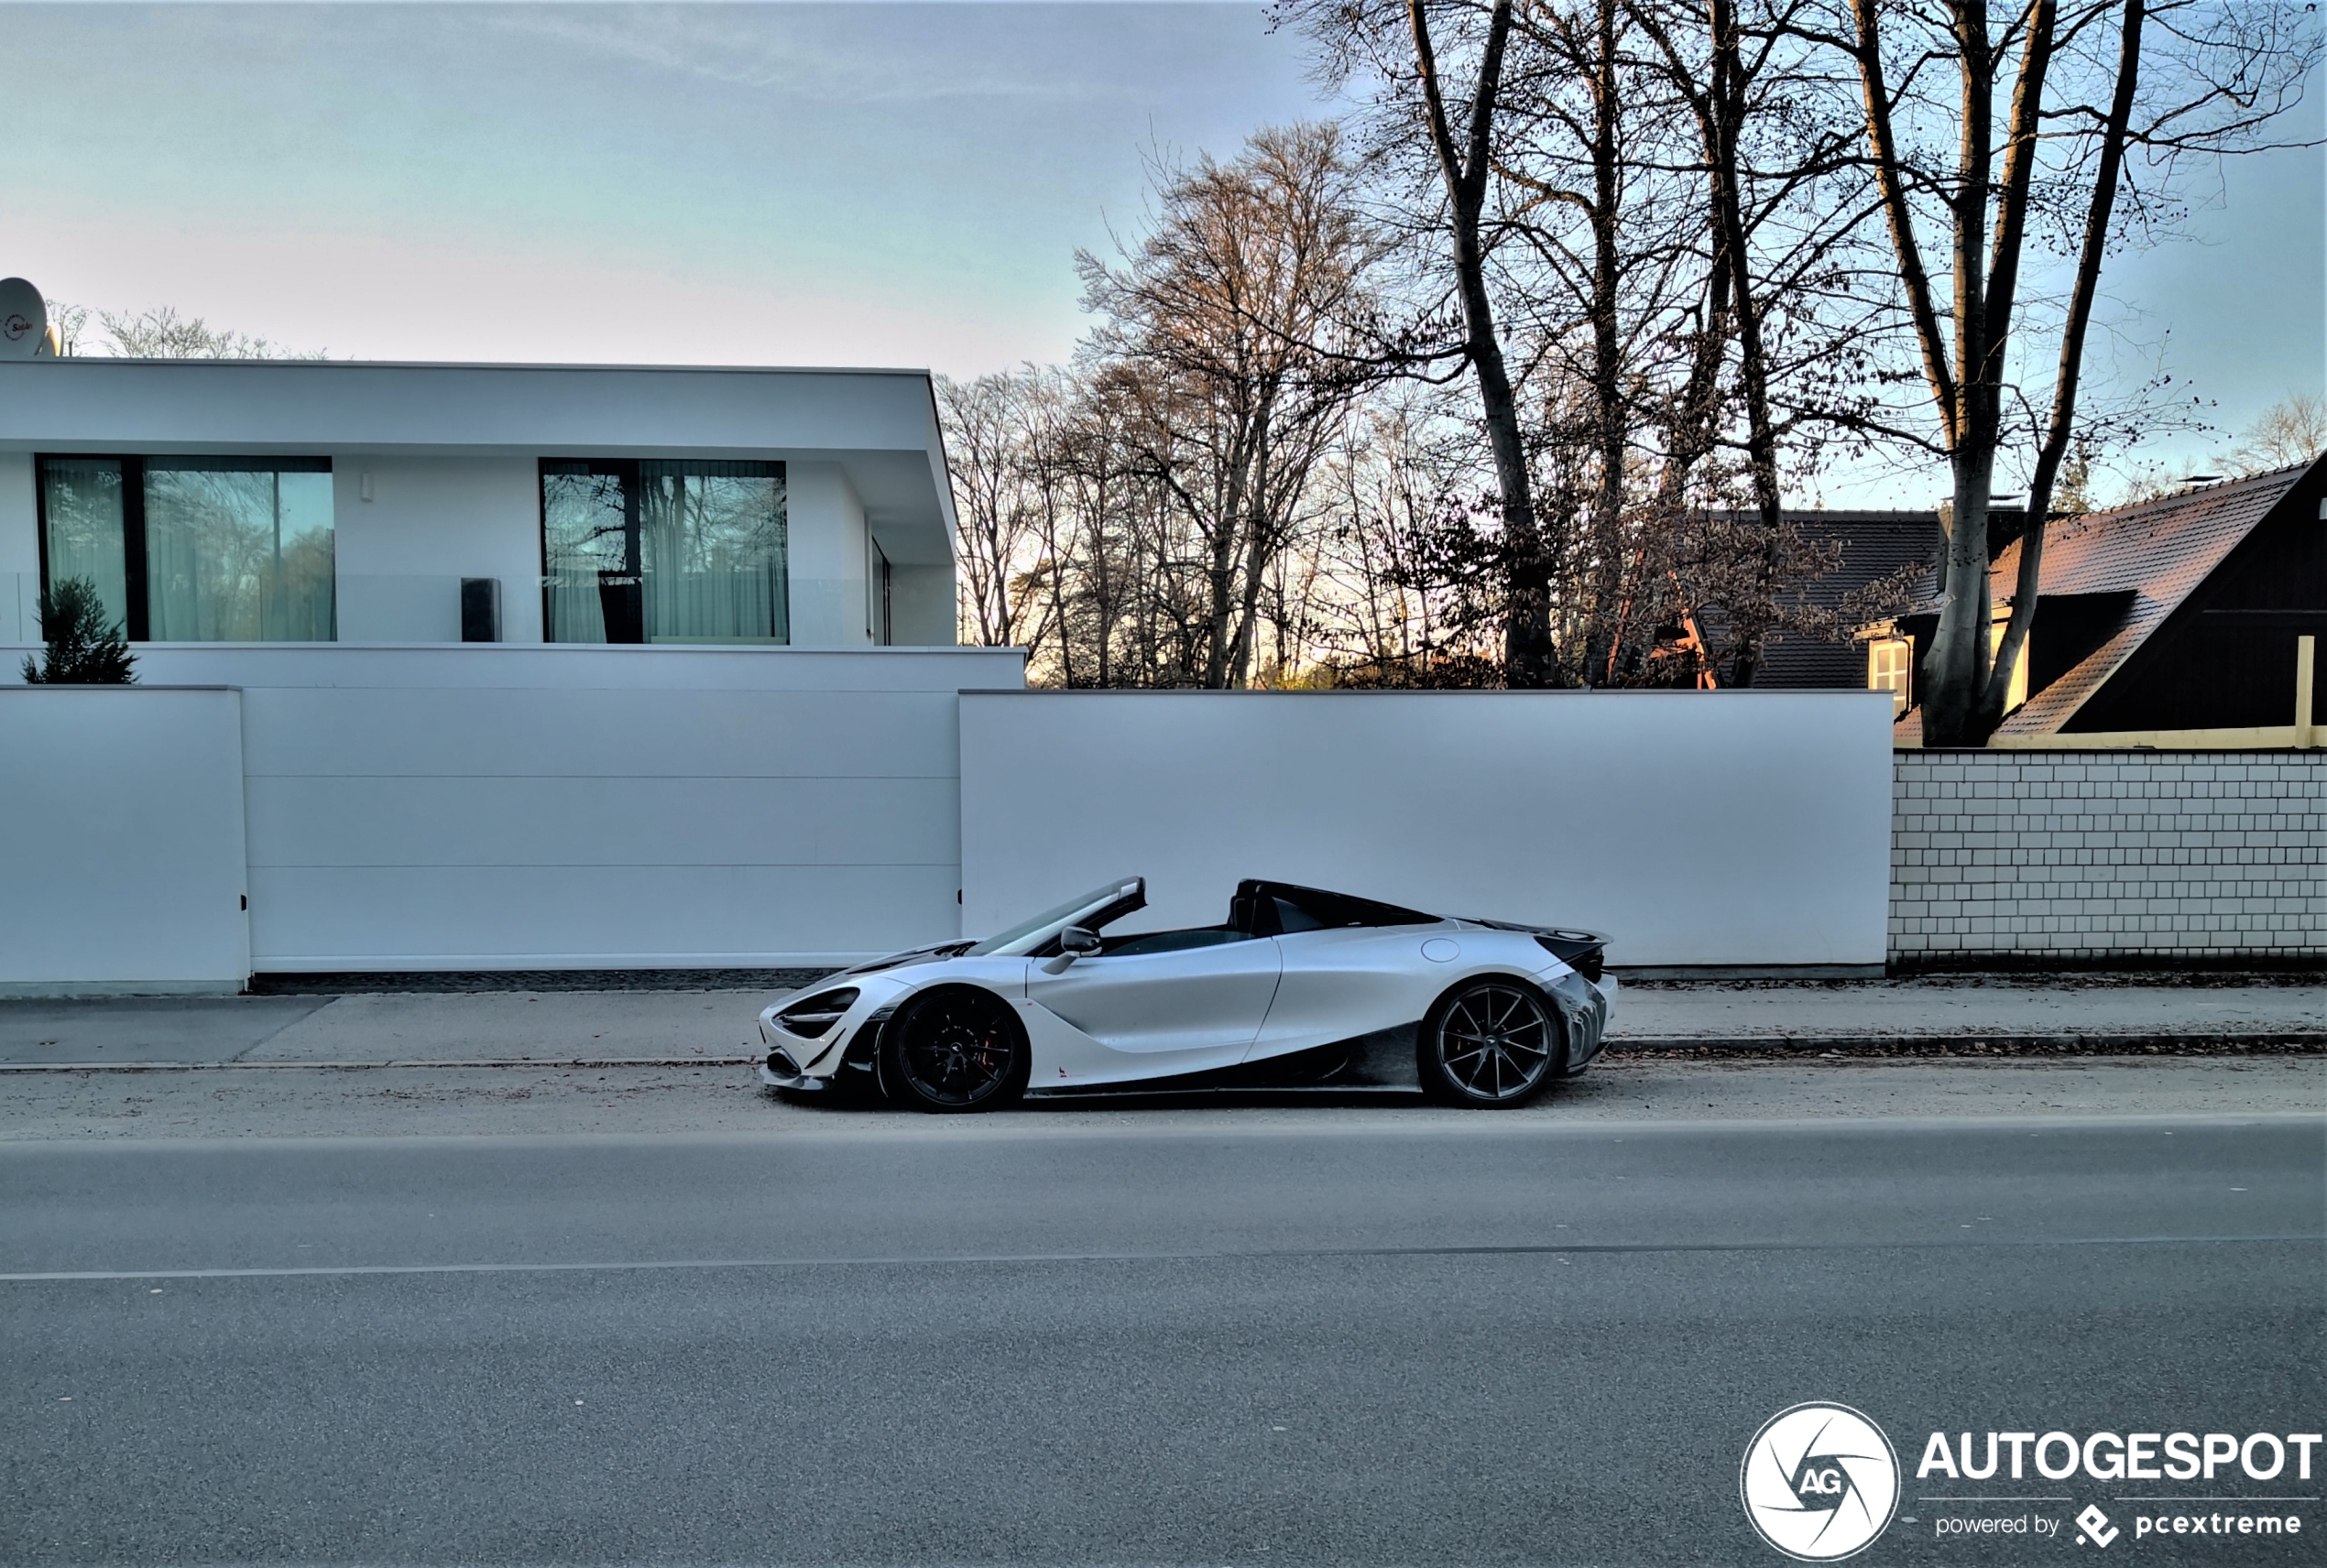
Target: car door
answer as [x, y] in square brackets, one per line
[1159, 1013]
[1339, 985]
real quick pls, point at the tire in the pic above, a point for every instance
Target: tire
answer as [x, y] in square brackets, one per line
[952, 1050]
[1491, 1044]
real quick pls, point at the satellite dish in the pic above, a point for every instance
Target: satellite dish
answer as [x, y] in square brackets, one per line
[24, 320]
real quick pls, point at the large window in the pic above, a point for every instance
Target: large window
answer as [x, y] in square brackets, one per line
[196, 548]
[663, 550]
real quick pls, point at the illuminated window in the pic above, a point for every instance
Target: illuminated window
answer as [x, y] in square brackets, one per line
[2019, 691]
[1890, 663]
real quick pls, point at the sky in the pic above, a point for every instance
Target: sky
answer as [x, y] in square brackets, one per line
[858, 183]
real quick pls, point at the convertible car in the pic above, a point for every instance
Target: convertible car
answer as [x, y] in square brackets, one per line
[1297, 985]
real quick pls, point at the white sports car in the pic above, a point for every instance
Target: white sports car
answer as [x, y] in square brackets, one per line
[1297, 985]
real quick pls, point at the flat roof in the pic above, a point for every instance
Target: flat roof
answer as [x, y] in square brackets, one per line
[880, 425]
[280, 360]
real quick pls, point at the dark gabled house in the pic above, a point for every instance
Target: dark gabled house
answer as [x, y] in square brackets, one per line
[2176, 622]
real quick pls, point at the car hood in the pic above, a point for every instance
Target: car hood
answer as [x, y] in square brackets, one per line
[936, 953]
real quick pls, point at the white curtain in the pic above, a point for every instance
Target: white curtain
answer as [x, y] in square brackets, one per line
[712, 543]
[238, 553]
[81, 500]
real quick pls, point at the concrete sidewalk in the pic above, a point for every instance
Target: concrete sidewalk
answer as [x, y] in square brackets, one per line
[1922, 1011]
[689, 1026]
[431, 1026]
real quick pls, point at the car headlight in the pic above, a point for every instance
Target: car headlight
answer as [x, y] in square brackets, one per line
[811, 1018]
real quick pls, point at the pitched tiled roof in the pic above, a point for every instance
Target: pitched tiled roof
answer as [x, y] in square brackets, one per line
[1873, 545]
[1870, 546]
[2161, 551]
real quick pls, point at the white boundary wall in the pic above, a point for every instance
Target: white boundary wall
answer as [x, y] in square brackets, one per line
[121, 839]
[1698, 828]
[506, 806]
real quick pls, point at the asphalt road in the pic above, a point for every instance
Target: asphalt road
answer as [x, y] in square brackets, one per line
[1360, 1339]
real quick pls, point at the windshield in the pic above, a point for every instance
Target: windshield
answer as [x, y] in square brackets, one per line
[1094, 908]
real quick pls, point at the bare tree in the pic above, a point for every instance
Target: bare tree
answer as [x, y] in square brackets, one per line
[1667, 268]
[1386, 605]
[69, 322]
[163, 333]
[1441, 65]
[1218, 340]
[997, 507]
[1782, 272]
[1987, 128]
[2291, 431]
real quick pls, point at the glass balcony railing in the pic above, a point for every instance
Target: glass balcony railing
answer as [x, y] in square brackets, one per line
[389, 607]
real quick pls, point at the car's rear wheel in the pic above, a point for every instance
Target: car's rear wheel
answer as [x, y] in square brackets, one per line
[956, 1050]
[1491, 1042]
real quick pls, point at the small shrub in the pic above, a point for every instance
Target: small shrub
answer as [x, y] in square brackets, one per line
[85, 648]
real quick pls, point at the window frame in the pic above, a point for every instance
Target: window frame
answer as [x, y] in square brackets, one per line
[137, 614]
[627, 470]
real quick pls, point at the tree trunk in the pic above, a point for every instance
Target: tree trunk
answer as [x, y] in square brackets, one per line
[1607, 359]
[1957, 667]
[2030, 578]
[1527, 600]
[1760, 437]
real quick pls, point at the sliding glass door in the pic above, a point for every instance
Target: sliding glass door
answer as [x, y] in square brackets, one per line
[238, 552]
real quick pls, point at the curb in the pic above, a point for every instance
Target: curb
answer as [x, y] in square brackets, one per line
[560, 1064]
[2270, 1042]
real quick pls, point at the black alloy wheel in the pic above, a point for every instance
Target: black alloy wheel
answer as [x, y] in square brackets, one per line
[1493, 1042]
[956, 1050]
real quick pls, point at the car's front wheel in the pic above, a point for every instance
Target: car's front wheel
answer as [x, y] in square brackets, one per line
[956, 1050]
[1491, 1042]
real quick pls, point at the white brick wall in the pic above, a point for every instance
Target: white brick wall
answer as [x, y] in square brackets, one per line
[2104, 855]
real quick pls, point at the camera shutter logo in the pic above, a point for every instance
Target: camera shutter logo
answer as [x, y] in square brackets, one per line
[1819, 1482]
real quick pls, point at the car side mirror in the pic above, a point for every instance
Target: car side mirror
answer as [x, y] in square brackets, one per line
[1074, 943]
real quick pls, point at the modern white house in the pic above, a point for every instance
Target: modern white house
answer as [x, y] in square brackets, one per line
[479, 667]
[328, 501]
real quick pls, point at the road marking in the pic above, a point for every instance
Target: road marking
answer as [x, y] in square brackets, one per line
[643, 1266]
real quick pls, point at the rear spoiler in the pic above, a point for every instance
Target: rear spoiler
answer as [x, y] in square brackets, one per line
[1582, 951]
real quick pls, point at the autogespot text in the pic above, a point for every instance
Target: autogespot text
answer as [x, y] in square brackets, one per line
[2132, 1456]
